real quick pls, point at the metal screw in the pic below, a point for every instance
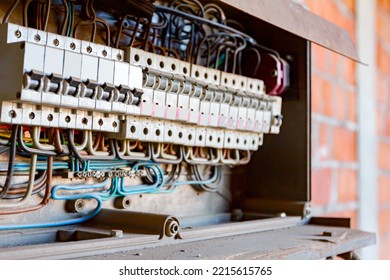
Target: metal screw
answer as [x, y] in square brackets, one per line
[37, 37]
[104, 53]
[119, 56]
[100, 122]
[84, 121]
[67, 119]
[72, 46]
[12, 114]
[89, 49]
[31, 115]
[56, 42]
[114, 124]
[18, 34]
[50, 117]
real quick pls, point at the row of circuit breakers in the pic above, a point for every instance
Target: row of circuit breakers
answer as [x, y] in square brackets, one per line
[50, 80]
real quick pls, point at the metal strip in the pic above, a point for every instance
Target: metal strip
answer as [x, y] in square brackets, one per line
[295, 19]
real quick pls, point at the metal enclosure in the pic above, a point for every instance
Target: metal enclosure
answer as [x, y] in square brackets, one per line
[277, 180]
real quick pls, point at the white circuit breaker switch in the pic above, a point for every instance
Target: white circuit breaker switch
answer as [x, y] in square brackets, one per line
[56, 41]
[267, 119]
[34, 57]
[224, 108]
[106, 82]
[251, 114]
[104, 51]
[117, 55]
[135, 77]
[9, 113]
[212, 138]
[215, 105]
[30, 115]
[146, 103]
[183, 98]
[170, 103]
[169, 133]
[191, 135]
[89, 75]
[89, 68]
[159, 131]
[183, 136]
[229, 139]
[110, 123]
[49, 117]
[253, 141]
[21, 60]
[200, 136]
[242, 113]
[135, 57]
[54, 59]
[37, 36]
[72, 65]
[89, 48]
[159, 107]
[13, 33]
[184, 68]
[121, 81]
[204, 108]
[66, 118]
[130, 128]
[233, 111]
[83, 120]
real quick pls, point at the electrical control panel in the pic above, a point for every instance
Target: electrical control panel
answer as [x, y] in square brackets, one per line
[120, 118]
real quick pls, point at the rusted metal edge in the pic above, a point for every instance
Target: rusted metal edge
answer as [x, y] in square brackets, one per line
[295, 19]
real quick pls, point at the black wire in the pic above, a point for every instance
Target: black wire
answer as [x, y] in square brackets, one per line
[11, 161]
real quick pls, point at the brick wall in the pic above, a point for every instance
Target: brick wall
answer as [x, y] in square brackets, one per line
[334, 135]
[334, 120]
[383, 124]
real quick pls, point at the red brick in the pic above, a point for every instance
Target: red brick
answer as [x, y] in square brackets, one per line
[330, 11]
[384, 5]
[324, 141]
[380, 122]
[352, 114]
[380, 89]
[384, 155]
[328, 98]
[383, 189]
[384, 248]
[344, 144]
[347, 185]
[334, 64]
[387, 123]
[321, 180]
[350, 4]
[349, 70]
[317, 101]
[341, 105]
[384, 221]
[383, 60]
[320, 58]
